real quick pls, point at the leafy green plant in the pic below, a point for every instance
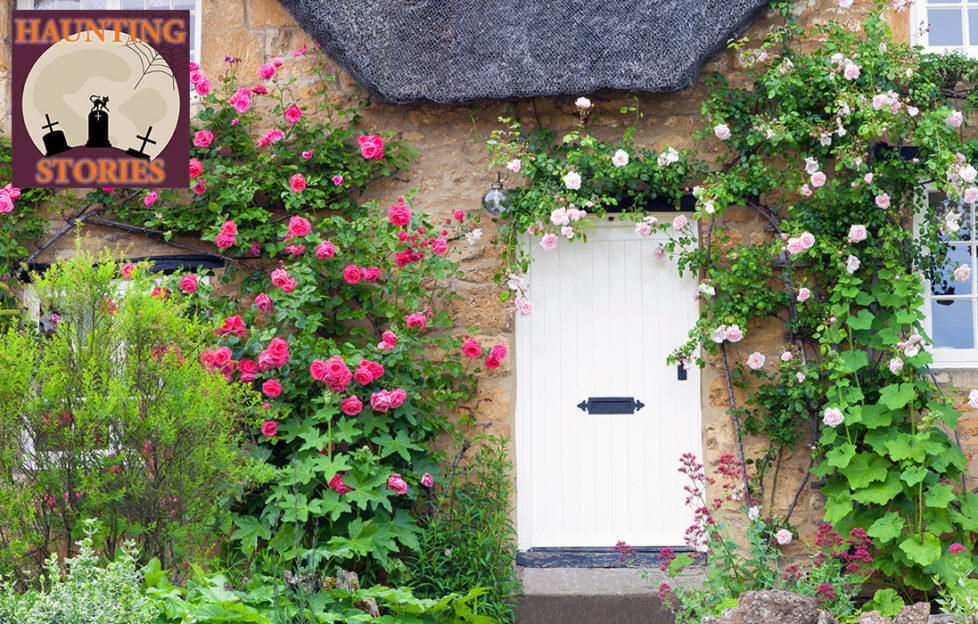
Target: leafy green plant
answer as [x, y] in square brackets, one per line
[87, 593]
[105, 410]
[960, 595]
[467, 536]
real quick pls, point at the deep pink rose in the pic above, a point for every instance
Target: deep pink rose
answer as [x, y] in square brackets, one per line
[222, 356]
[203, 86]
[471, 348]
[225, 240]
[376, 369]
[325, 250]
[318, 370]
[200, 188]
[203, 138]
[127, 270]
[263, 302]
[371, 146]
[241, 101]
[149, 199]
[399, 214]
[269, 428]
[293, 114]
[271, 388]
[496, 355]
[351, 406]
[371, 274]
[396, 483]
[427, 480]
[188, 283]
[337, 484]
[352, 274]
[281, 278]
[439, 246]
[416, 320]
[196, 75]
[248, 369]
[337, 180]
[195, 168]
[279, 349]
[299, 226]
[297, 183]
[362, 375]
[380, 401]
[233, 325]
[390, 338]
[397, 397]
[266, 71]
[260, 90]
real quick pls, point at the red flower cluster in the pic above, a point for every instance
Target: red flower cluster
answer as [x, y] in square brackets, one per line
[228, 235]
[275, 355]
[233, 326]
[333, 372]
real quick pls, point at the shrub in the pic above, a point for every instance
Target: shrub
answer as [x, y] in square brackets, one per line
[467, 537]
[108, 413]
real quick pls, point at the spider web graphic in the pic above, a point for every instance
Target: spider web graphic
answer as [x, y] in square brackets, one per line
[151, 62]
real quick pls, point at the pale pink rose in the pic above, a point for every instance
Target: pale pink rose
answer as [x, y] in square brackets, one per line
[786, 356]
[852, 264]
[559, 216]
[883, 201]
[807, 240]
[734, 333]
[806, 190]
[719, 334]
[818, 179]
[754, 512]
[515, 165]
[868, 178]
[968, 173]
[845, 4]
[851, 71]
[857, 233]
[549, 241]
[679, 222]
[643, 229]
[784, 535]
[832, 416]
[971, 195]
[811, 165]
[895, 365]
[567, 231]
[619, 158]
[583, 103]
[572, 180]
[756, 360]
[954, 119]
[973, 399]
[803, 294]
[795, 246]
[800, 377]
[722, 131]
[670, 155]
[962, 273]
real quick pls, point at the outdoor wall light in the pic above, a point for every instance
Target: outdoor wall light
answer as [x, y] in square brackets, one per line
[496, 200]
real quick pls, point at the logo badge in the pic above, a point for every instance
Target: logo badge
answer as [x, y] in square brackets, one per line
[101, 99]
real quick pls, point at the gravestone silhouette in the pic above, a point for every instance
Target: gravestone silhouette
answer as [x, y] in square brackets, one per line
[54, 140]
[145, 139]
[98, 123]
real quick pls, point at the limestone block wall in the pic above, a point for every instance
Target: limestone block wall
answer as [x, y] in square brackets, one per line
[451, 172]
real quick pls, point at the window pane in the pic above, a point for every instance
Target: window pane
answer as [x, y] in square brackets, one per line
[973, 26]
[94, 4]
[942, 1]
[952, 324]
[163, 4]
[185, 5]
[133, 4]
[48, 4]
[957, 255]
[945, 27]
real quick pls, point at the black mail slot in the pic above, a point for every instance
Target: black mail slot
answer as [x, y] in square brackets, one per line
[611, 405]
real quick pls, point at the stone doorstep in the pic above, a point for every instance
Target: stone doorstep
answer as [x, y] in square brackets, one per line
[597, 581]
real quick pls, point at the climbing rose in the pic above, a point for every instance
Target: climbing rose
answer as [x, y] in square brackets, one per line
[795, 246]
[549, 241]
[719, 334]
[282, 279]
[852, 264]
[643, 229]
[954, 119]
[496, 355]
[149, 199]
[271, 388]
[783, 536]
[619, 158]
[269, 428]
[515, 165]
[572, 180]
[832, 416]
[679, 222]
[233, 325]
[266, 71]
[380, 401]
[883, 201]
[857, 233]
[428, 481]
[263, 302]
[817, 179]
[337, 180]
[325, 250]
[471, 348]
[722, 131]
[241, 101]
[973, 399]
[851, 71]
[399, 214]
[807, 240]
[195, 168]
[806, 190]
[734, 334]
[583, 103]
[297, 182]
[299, 226]
[895, 365]
[754, 512]
[845, 4]
[352, 274]
[390, 338]
[396, 483]
[127, 270]
[803, 294]
[439, 246]
[417, 319]
[351, 406]
[962, 273]
[203, 86]
[371, 146]
[188, 283]
[756, 360]
[293, 114]
[670, 155]
[203, 138]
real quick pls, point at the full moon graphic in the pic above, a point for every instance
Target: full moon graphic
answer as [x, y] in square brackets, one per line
[117, 90]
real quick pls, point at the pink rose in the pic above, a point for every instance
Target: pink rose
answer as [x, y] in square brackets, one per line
[807, 240]
[269, 428]
[883, 201]
[439, 246]
[618, 159]
[803, 294]
[351, 406]
[277, 62]
[371, 274]
[380, 401]
[225, 240]
[549, 241]
[783, 536]
[325, 250]
[371, 146]
[806, 190]
[300, 51]
[337, 484]
[390, 338]
[427, 480]
[297, 182]
[293, 114]
[496, 355]
[337, 180]
[817, 179]
[362, 375]
[851, 71]
[397, 397]
[307, 154]
[756, 360]
[399, 214]
[271, 388]
[352, 274]
[281, 278]
[199, 188]
[203, 138]
[260, 90]
[266, 71]
[233, 325]
[679, 222]
[962, 273]
[299, 226]
[318, 370]
[196, 75]
[195, 168]
[795, 246]
[458, 215]
[954, 119]
[263, 302]
[241, 101]
[471, 348]
[203, 86]
[149, 199]
[832, 416]
[734, 333]
[376, 369]
[416, 320]
[722, 132]
[396, 483]
[248, 369]
[786, 356]
[857, 233]
[127, 270]
[188, 283]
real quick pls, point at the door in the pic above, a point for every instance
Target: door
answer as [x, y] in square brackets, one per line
[606, 315]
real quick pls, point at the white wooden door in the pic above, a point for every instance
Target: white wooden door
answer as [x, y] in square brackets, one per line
[606, 314]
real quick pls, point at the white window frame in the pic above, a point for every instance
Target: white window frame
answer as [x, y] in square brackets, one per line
[946, 357]
[919, 34]
[116, 5]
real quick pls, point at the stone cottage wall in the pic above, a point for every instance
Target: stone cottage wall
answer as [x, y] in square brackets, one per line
[451, 173]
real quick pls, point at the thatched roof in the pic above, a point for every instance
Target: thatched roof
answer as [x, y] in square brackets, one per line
[457, 50]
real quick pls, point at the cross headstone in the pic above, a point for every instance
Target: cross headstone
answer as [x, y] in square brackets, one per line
[51, 124]
[54, 140]
[145, 139]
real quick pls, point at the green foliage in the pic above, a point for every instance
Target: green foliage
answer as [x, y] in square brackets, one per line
[959, 595]
[106, 411]
[88, 593]
[467, 535]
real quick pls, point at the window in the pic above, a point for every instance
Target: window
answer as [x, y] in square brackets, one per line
[194, 6]
[951, 306]
[940, 25]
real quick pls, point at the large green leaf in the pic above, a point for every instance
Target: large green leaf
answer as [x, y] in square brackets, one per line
[841, 455]
[887, 527]
[939, 496]
[865, 468]
[880, 493]
[895, 396]
[922, 549]
[852, 361]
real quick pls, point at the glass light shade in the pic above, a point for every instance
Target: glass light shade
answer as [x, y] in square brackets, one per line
[496, 201]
